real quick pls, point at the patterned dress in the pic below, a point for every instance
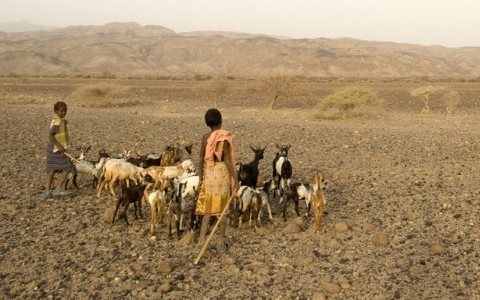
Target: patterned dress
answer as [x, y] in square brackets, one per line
[215, 190]
[56, 161]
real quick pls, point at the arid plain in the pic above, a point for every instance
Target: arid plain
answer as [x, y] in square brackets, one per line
[401, 221]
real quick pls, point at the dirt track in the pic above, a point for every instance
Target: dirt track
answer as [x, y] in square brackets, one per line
[402, 215]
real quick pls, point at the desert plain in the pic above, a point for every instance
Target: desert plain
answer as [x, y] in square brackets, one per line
[401, 219]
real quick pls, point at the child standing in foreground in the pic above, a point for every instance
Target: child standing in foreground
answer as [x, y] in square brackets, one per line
[56, 160]
[217, 177]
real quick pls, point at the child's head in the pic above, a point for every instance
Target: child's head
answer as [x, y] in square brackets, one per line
[213, 117]
[60, 108]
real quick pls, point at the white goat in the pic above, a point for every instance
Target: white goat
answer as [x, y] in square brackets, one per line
[169, 172]
[156, 199]
[119, 170]
[250, 200]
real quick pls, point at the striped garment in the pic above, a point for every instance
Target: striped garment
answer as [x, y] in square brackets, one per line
[56, 161]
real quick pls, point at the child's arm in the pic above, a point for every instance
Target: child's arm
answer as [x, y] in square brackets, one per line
[56, 143]
[230, 166]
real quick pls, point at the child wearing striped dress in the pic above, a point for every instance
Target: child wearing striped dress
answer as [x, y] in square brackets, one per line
[57, 162]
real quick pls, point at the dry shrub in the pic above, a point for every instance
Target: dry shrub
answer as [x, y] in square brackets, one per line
[215, 90]
[104, 94]
[441, 96]
[275, 87]
[352, 100]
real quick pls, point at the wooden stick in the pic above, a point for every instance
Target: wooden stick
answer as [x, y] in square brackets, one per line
[71, 157]
[213, 230]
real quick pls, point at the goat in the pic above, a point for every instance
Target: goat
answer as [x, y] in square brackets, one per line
[282, 170]
[297, 191]
[263, 203]
[156, 199]
[152, 160]
[119, 169]
[248, 173]
[173, 154]
[133, 194]
[185, 193]
[252, 201]
[318, 202]
[82, 165]
[169, 172]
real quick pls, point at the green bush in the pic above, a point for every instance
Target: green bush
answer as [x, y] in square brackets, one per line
[343, 102]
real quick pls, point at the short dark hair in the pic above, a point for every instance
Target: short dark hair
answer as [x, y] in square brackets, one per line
[213, 117]
[59, 105]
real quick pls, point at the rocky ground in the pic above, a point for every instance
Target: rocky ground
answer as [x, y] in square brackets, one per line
[401, 222]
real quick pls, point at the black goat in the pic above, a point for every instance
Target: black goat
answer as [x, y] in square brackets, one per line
[282, 169]
[248, 173]
[132, 194]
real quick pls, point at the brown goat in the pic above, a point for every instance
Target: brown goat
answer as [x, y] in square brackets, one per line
[318, 202]
[133, 194]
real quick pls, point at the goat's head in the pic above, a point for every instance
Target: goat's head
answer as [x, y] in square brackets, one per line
[283, 150]
[187, 165]
[188, 148]
[258, 152]
[83, 152]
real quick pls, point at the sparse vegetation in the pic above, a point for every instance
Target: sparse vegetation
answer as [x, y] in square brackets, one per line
[442, 96]
[215, 90]
[344, 101]
[103, 94]
[275, 87]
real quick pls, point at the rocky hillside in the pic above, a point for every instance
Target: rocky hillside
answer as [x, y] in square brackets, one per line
[129, 49]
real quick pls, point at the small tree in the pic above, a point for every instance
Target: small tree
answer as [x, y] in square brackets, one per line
[216, 89]
[274, 87]
[444, 96]
[426, 93]
[347, 99]
[451, 100]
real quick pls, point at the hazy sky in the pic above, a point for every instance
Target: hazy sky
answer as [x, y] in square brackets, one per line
[450, 23]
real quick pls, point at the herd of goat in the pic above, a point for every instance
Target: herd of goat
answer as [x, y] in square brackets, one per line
[169, 182]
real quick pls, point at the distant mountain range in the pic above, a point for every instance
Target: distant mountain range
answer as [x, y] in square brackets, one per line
[129, 49]
[22, 27]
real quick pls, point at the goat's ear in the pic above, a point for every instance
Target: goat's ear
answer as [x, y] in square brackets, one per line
[188, 148]
[88, 148]
[265, 147]
[253, 149]
[276, 145]
[288, 146]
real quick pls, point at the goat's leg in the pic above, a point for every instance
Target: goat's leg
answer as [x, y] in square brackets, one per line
[100, 187]
[126, 204]
[153, 219]
[181, 221]
[269, 211]
[295, 200]
[285, 206]
[116, 209]
[110, 184]
[139, 204]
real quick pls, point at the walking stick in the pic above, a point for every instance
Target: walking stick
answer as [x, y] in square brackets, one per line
[213, 230]
[71, 157]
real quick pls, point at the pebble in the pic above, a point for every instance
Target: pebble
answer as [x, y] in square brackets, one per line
[164, 268]
[318, 296]
[380, 239]
[291, 228]
[341, 227]
[334, 244]
[332, 287]
[437, 249]
[304, 260]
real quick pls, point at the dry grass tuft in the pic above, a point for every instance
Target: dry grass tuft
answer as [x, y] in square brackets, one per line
[103, 94]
